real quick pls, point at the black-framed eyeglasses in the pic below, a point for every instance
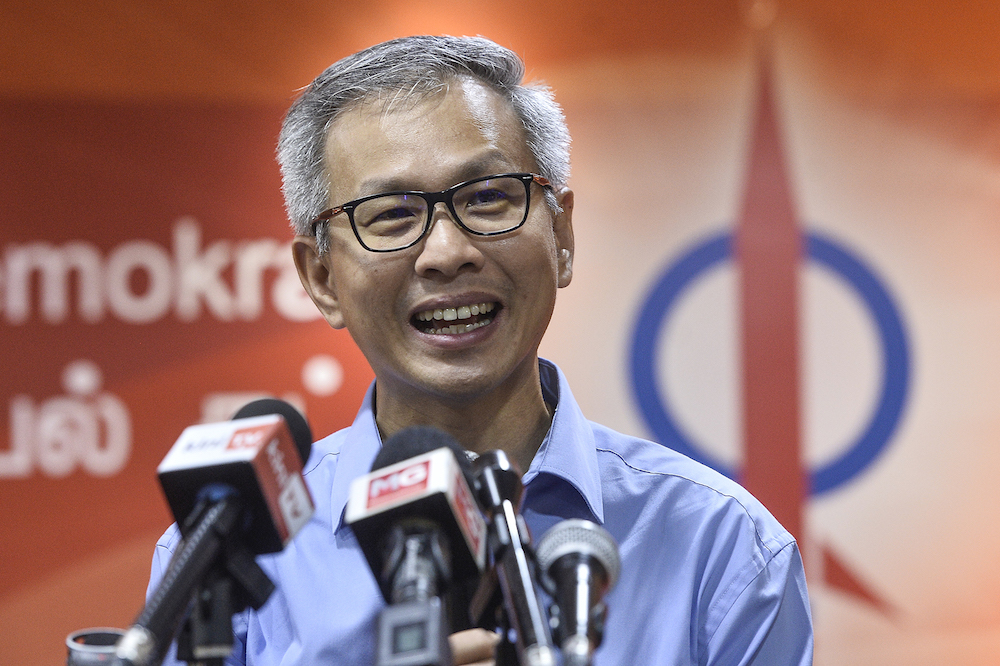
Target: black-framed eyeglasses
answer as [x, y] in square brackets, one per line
[485, 206]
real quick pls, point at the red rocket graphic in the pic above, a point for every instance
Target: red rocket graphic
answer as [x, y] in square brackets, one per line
[768, 250]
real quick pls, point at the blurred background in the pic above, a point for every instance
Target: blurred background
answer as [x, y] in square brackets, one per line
[788, 266]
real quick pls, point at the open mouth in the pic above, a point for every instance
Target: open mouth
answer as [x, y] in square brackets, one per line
[454, 321]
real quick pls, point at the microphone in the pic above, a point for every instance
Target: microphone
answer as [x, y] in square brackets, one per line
[419, 526]
[298, 427]
[259, 454]
[236, 490]
[499, 486]
[581, 560]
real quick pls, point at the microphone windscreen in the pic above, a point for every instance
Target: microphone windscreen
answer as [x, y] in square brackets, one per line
[297, 425]
[416, 440]
[582, 538]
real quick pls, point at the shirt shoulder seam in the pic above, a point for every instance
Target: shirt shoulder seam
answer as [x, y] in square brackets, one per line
[760, 537]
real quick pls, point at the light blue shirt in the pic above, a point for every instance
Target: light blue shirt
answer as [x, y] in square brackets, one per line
[708, 576]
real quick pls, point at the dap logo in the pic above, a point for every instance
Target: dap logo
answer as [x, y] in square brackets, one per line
[770, 249]
[697, 263]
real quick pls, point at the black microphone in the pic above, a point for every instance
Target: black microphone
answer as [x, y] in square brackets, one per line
[499, 487]
[581, 559]
[299, 428]
[419, 526]
[236, 490]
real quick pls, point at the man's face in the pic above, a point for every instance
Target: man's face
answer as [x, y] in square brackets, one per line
[384, 299]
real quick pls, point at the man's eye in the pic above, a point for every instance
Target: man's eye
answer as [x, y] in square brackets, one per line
[484, 197]
[393, 214]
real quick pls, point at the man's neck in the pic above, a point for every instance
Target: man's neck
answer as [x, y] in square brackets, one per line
[515, 421]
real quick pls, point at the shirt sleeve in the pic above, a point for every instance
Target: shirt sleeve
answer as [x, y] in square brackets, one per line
[770, 621]
[162, 554]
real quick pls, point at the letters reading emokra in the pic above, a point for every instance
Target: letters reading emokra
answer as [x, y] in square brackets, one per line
[226, 280]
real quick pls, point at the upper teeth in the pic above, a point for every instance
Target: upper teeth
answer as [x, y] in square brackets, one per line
[451, 314]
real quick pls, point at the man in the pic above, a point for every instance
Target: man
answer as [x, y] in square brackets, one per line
[448, 295]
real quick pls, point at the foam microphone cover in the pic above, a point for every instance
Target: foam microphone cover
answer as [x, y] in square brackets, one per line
[296, 422]
[415, 440]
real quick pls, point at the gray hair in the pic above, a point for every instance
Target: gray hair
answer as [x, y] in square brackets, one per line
[410, 68]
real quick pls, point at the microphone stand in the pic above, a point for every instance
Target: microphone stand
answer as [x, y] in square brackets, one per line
[499, 487]
[214, 574]
[413, 629]
[233, 583]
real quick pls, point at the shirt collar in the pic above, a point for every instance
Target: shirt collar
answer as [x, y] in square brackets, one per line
[568, 451]
[359, 449]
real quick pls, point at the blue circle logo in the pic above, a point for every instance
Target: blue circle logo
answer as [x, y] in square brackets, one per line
[877, 433]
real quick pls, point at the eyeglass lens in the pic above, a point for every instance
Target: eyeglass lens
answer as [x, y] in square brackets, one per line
[490, 206]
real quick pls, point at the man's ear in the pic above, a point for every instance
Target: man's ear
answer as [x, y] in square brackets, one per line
[317, 278]
[563, 228]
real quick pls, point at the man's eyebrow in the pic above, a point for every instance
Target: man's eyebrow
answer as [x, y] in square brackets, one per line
[377, 185]
[485, 165]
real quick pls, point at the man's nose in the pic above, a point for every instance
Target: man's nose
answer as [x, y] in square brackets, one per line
[447, 248]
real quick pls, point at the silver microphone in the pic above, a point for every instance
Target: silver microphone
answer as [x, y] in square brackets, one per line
[581, 560]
